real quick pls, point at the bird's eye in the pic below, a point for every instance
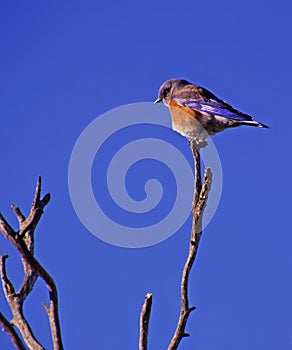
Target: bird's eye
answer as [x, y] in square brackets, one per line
[165, 92]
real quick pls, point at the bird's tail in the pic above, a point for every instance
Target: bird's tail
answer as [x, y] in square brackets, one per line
[254, 123]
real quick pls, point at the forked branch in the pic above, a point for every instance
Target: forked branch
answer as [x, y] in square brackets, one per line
[23, 241]
[9, 329]
[201, 192]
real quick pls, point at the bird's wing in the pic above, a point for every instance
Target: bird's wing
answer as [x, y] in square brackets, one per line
[202, 100]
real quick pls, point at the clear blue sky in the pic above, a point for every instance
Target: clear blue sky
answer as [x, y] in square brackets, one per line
[63, 63]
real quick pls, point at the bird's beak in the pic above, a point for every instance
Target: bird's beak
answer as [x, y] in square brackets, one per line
[158, 100]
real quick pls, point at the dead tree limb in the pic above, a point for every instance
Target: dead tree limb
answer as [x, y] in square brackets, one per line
[144, 322]
[9, 329]
[23, 241]
[201, 192]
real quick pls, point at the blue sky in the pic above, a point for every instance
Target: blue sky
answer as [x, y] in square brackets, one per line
[65, 63]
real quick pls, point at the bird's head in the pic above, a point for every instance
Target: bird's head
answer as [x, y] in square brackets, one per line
[166, 90]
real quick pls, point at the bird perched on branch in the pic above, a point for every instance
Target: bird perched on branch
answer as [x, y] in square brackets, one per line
[197, 113]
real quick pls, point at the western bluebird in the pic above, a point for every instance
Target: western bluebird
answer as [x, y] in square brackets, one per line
[196, 112]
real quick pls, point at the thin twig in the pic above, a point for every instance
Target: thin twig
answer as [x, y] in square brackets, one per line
[199, 202]
[144, 322]
[195, 148]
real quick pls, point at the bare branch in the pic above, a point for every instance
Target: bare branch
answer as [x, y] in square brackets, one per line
[199, 202]
[196, 148]
[24, 243]
[26, 230]
[7, 327]
[16, 307]
[6, 229]
[144, 322]
[37, 195]
[53, 295]
[18, 213]
[36, 211]
[7, 285]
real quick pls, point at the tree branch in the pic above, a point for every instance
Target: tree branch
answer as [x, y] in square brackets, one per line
[144, 322]
[201, 192]
[7, 327]
[16, 306]
[23, 240]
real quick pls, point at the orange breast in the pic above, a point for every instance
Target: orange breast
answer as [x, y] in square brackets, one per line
[174, 105]
[183, 116]
[185, 120]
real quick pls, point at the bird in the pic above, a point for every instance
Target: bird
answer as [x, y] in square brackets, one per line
[197, 113]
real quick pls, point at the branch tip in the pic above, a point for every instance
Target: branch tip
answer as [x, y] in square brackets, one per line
[208, 174]
[18, 213]
[46, 198]
[148, 296]
[37, 194]
[144, 322]
[44, 305]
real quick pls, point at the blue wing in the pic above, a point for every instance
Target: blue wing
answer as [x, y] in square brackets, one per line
[202, 100]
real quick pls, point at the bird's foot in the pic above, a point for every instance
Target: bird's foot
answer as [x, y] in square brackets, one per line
[198, 143]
